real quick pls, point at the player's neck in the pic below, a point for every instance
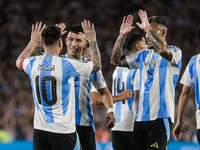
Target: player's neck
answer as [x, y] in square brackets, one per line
[51, 51]
[74, 57]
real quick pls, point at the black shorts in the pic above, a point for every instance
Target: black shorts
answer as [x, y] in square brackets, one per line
[198, 137]
[152, 134]
[43, 140]
[122, 140]
[87, 137]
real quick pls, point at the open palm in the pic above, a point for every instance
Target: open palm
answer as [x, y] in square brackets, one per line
[145, 22]
[126, 26]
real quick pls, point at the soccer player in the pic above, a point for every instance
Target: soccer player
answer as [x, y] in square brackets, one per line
[123, 79]
[84, 118]
[159, 71]
[189, 79]
[52, 81]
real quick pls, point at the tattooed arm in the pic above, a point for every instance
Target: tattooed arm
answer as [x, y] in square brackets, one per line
[116, 57]
[95, 56]
[90, 35]
[37, 50]
[158, 44]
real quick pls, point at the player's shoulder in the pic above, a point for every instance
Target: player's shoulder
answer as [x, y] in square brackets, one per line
[174, 48]
[194, 59]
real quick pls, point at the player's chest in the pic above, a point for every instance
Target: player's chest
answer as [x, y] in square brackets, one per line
[153, 63]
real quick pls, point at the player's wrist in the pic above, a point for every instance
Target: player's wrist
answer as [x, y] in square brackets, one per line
[110, 110]
[122, 35]
[147, 28]
[92, 40]
[33, 42]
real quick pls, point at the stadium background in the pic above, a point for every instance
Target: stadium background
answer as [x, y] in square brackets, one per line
[16, 17]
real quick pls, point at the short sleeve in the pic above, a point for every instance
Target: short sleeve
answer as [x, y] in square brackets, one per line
[187, 78]
[132, 61]
[176, 55]
[93, 89]
[137, 80]
[98, 80]
[81, 68]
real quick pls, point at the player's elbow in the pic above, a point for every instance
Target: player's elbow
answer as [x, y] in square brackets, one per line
[97, 102]
[17, 63]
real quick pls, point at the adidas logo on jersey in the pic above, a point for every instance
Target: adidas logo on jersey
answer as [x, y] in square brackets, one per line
[155, 145]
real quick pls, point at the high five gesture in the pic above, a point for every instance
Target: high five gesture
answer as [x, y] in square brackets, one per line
[126, 26]
[145, 22]
[90, 35]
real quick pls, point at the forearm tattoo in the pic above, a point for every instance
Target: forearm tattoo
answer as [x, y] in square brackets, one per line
[117, 52]
[158, 45]
[37, 50]
[96, 58]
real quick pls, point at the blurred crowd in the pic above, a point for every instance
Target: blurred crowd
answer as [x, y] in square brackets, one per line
[16, 17]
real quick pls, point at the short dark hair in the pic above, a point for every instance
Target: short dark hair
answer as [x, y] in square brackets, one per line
[158, 20]
[75, 29]
[50, 35]
[132, 39]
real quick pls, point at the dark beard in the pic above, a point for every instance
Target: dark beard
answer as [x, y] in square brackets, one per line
[151, 47]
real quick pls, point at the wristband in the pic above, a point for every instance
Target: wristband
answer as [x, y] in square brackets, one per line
[110, 110]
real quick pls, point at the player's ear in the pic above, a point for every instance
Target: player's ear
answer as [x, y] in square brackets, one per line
[137, 47]
[60, 43]
[66, 40]
[86, 43]
[42, 44]
[164, 32]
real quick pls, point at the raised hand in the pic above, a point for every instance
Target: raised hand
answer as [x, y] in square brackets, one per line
[178, 130]
[36, 32]
[89, 32]
[126, 26]
[62, 26]
[145, 22]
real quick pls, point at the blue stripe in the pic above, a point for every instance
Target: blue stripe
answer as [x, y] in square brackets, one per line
[141, 58]
[28, 70]
[65, 85]
[90, 116]
[130, 77]
[118, 104]
[167, 127]
[77, 146]
[163, 111]
[47, 108]
[147, 85]
[77, 109]
[193, 74]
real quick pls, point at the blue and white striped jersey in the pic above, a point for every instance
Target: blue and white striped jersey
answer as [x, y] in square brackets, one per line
[191, 77]
[158, 78]
[52, 81]
[123, 79]
[83, 102]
